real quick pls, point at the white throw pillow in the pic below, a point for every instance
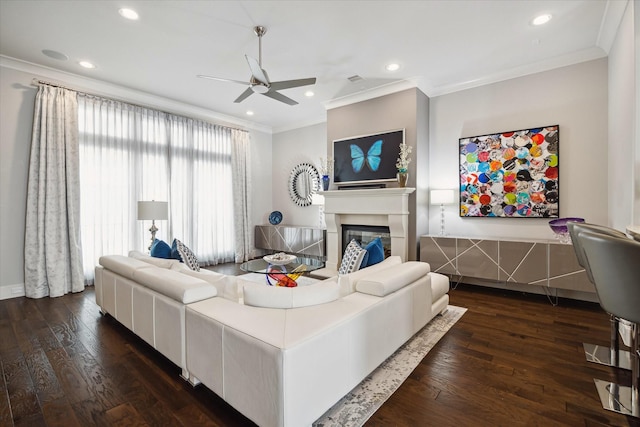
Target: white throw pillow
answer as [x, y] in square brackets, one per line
[352, 258]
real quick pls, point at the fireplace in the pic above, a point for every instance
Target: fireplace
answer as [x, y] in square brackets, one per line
[381, 207]
[363, 234]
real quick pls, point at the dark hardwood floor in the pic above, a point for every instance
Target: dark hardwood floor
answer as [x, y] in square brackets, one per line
[513, 359]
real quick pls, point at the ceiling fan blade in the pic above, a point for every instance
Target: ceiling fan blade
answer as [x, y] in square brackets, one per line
[280, 97]
[202, 76]
[244, 95]
[256, 71]
[286, 84]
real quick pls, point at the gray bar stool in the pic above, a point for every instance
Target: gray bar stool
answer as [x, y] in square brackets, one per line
[615, 265]
[612, 355]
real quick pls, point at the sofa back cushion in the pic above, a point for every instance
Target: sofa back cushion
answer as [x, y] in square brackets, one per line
[347, 281]
[124, 266]
[391, 279]
[226, 285]
[158, 262]
[259, 295]
[175, 285]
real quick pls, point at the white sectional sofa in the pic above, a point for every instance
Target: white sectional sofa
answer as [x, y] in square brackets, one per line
[280, 356]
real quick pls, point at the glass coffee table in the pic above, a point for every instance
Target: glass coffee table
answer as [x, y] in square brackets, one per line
[282, 275]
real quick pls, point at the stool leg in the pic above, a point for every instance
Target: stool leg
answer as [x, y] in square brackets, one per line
[623, 399]
[612, 355]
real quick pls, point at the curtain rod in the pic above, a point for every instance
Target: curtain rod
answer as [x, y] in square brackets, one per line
[38, 82]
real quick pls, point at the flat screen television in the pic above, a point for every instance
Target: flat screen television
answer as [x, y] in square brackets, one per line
[367, 159]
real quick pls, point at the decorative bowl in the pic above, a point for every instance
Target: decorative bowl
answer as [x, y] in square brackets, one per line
[279, 258]
[275, 217]
[559, 226]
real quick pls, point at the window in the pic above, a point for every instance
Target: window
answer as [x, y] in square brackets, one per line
[130, 153]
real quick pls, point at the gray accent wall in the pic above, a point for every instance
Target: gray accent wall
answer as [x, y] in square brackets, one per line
[409, 110]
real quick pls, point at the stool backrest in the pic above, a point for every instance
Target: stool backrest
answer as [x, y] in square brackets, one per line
[577, 227]
[615, 265]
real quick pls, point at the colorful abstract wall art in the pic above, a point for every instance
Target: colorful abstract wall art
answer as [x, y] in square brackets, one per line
[511, 174]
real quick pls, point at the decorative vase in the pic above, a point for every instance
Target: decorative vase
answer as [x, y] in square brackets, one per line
[325, 182]
[402, 178]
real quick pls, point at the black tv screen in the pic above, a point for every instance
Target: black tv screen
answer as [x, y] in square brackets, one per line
[367, 159]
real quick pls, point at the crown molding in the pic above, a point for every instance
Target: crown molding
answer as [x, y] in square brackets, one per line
[376, 92]
[126, 94]
[611, 19]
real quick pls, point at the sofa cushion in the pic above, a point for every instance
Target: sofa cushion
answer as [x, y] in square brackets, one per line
[439, 285]
[160, 249]
[175, 285]
[226, 285]
[186, 255]
[391, 279]
[158, 262]
[352, 258]
[347, 281]
[375, 253]
[259, 295]
[124, 266]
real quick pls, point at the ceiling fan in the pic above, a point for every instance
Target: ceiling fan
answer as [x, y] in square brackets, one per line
[259, 81]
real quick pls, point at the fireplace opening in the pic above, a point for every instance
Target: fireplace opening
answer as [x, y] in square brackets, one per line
[363, 234]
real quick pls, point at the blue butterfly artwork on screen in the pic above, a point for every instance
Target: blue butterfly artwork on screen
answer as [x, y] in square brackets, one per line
[372, 158]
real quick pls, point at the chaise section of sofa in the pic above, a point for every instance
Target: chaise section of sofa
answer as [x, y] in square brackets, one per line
[149, 298]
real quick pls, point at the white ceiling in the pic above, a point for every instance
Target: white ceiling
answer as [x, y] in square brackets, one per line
[442, 46]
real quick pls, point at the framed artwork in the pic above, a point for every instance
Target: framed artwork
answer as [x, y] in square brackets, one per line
[367, 159]
[512, 174]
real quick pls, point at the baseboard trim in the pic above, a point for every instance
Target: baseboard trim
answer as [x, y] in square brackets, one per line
[11, 291]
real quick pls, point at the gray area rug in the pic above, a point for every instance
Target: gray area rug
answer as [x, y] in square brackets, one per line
[359, 404]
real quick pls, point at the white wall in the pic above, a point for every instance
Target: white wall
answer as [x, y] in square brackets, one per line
[575, 97]
[623, 167]
[17, 97]
[290, 148]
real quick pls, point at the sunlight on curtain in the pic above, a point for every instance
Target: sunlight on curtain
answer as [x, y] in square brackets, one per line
[129, 153]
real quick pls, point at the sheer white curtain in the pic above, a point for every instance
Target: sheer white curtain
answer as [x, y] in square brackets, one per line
[130, 153]
[241, 160]
[53, 252]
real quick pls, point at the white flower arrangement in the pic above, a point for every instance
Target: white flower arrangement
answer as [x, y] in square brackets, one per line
[403, 161]
[326, 166]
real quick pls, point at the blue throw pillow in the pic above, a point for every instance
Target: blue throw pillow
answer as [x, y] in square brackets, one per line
[160, 249]
[375, 251]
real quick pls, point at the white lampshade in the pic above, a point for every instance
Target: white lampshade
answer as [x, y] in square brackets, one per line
[153, 210]
[441, 197]
[317, 199]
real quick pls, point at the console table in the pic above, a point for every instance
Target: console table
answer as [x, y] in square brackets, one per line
[546, 263]
[291, 239]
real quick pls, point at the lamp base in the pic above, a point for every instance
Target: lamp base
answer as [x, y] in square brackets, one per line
[153, 230]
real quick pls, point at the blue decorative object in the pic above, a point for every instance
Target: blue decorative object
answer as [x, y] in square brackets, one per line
[275, 217]
[325, 182]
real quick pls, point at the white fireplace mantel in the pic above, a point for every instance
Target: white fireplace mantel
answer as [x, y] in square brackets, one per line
[378, 207]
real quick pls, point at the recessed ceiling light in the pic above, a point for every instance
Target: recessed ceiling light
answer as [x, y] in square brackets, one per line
[55, 54]
[128, 13]
[541, 20]
[392, 67]
[249, 113]
[309, 93]
[86, 64]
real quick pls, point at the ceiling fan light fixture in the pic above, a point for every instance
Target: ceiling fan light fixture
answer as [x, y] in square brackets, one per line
[259, 88]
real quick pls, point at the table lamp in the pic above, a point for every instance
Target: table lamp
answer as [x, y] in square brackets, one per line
[441, 197]
[153, 211]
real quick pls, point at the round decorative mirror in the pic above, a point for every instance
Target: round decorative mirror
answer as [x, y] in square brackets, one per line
[304, 182]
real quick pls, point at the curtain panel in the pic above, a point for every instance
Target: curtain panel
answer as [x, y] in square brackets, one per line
[53, 251]
[131, 153]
